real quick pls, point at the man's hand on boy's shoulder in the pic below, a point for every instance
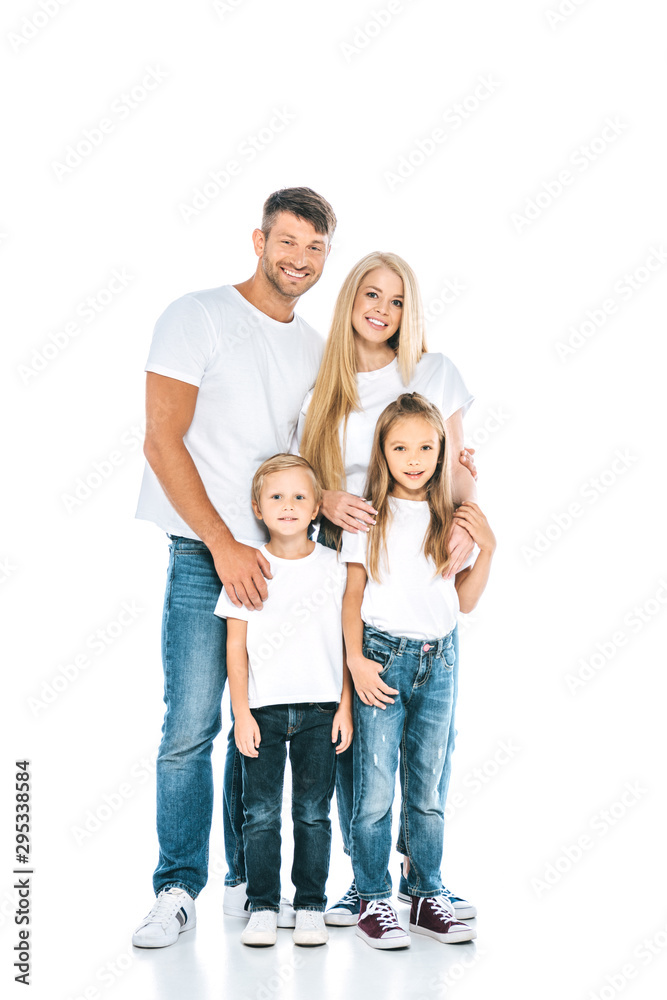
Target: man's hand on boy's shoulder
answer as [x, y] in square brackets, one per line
[247, 735]
[342, 723]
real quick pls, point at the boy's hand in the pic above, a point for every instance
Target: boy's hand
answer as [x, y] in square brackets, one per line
[247, 735]
[342, 723]
[371, 689]
[470, 517]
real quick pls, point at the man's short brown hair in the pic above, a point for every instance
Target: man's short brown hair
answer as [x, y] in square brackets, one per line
[305, 204]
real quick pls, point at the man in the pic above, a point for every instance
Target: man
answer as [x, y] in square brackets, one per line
[227, 372]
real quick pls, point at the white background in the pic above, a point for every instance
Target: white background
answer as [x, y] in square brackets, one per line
[549, 431]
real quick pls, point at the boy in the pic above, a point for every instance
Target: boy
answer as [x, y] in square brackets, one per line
[288, 683]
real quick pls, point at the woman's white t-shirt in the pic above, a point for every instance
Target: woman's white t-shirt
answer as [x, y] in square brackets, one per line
[435, 377]
[252, 373]
[411, 600]
[295, 643]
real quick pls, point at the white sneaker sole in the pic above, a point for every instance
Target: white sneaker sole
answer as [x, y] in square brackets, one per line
[340, 919]
[386, 944]
[454, 938]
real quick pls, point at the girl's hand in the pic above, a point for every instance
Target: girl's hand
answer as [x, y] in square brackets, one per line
[346, 510]
[465, 458]
[460, 546]
[371, 689]
[247, 735]
[342, 723]
[470, 517]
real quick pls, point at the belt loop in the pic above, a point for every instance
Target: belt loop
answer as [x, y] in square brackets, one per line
[401, 646]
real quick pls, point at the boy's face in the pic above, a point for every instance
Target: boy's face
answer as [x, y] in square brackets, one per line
[287, 502]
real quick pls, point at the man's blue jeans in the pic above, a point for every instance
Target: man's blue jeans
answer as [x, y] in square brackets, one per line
[345, 781]
[195, 670]
[417, 725]
[307, 729]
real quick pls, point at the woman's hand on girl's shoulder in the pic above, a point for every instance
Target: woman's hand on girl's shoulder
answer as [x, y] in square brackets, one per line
[346, 510]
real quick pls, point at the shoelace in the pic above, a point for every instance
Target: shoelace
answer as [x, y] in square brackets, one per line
[443, 907]
[351, 896]
[262, 920]
[386, 916]
[308, 921]
[165, 906]
[450, 895]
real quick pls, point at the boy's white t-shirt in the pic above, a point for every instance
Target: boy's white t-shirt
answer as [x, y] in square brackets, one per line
[252, 373]
[435, 377]
[410, 601]
[295, 643]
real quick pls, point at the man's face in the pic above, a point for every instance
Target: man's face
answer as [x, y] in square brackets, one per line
[293, 254]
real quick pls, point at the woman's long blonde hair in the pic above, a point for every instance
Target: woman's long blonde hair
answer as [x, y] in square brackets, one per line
[438, 489]
[335, 393]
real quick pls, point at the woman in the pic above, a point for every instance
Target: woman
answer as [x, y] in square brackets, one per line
[376, 350]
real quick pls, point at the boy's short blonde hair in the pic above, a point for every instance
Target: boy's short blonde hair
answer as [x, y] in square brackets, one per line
[278, 463]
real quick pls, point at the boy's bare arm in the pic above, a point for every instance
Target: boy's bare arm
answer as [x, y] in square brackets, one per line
[246, 730]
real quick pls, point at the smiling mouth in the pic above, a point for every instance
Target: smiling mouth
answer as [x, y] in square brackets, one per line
[414, 475]
[295, 275]
[377, 323]
[288, 519]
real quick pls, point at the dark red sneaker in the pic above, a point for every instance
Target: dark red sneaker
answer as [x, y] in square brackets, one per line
[434, 916]
[379, 927]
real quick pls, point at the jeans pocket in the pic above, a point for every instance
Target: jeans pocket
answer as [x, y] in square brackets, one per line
[378, 653]
[326, 707]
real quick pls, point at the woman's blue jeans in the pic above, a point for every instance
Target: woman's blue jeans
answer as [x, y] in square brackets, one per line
[417, 725]
[307, 729]
[194, 658]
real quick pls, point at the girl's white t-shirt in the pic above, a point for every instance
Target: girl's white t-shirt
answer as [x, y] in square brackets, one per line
[411, 600]
[252, 373]
[295, 643]
[435, 377]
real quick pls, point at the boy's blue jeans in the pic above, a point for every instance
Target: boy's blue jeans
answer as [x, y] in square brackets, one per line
[194, 657]
[307, 729]
[417, 725]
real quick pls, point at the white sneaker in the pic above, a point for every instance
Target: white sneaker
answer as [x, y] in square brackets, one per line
[237, 904]
[172, 912]
[261, 929]
[310, 929]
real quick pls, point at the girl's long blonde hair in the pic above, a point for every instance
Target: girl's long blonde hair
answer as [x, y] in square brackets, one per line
[438, 489]
[335, 393]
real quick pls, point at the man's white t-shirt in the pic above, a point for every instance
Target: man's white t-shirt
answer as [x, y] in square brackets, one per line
[435, 377]
[411, 600]
[295, 643]
[252, 373]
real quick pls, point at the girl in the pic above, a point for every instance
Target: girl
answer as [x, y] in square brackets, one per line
[399, 617]
[375, 351]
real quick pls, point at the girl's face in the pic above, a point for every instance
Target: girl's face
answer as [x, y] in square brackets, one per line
[378, 304]
[411, 447]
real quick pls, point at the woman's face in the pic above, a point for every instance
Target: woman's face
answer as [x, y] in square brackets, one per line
[378, 304]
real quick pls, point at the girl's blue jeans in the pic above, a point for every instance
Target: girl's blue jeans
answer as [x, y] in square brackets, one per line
[416, 727]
